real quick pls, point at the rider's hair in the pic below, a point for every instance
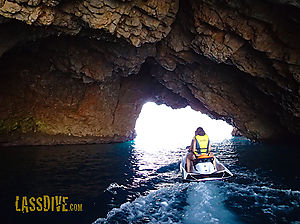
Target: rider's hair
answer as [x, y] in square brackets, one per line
[200, 131]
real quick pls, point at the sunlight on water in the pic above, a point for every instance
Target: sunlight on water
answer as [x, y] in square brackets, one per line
[160, 126]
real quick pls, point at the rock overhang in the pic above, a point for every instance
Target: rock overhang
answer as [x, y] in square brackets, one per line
[82, 71]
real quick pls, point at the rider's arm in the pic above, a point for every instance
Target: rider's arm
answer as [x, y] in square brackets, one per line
[209, 149]
[191, 147]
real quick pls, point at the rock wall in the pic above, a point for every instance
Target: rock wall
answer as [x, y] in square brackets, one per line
[80, 71]
[70, 94]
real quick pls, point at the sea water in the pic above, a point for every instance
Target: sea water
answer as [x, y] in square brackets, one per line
[126, 183]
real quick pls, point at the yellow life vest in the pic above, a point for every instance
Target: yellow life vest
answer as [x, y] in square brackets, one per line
[202, 144]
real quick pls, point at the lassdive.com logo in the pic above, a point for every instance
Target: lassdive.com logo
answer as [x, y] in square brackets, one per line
[45, 203]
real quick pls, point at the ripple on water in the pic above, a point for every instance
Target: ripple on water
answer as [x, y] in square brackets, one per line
[165, 205]
[181, 203]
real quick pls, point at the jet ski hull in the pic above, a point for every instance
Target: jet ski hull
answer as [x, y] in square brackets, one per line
[220, 173]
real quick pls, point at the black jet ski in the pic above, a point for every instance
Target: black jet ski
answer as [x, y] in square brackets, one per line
[203, 169]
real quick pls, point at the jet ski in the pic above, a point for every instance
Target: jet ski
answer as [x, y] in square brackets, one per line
[203, 169]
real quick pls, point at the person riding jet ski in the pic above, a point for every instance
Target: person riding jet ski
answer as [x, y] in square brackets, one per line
[200, 148]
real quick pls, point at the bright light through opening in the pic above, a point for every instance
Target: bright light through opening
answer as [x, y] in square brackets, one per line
[160, 126]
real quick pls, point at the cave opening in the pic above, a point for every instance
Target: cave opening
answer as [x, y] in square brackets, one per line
[61, 87]
[160, 126]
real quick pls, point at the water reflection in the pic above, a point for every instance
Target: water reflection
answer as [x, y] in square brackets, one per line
[257, 190]
[81, 172]
[104, 177]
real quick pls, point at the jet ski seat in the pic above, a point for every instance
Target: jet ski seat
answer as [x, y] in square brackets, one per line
[203, 160]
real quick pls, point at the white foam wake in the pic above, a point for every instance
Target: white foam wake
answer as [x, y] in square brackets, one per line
[161, 206]
[181, 203]
[206, 205]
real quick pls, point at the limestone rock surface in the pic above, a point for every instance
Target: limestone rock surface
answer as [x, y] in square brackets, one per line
[80, 71]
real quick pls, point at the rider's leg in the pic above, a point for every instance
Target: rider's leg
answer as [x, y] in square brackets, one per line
[214, 161]
[189, 158]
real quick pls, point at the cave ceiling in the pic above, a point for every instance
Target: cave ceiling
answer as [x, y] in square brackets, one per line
[80, 71]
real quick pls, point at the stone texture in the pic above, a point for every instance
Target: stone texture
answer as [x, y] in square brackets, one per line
[42, 100]
[234, 60]
[137, 21]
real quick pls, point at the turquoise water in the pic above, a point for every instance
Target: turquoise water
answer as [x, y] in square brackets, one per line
[126, 183]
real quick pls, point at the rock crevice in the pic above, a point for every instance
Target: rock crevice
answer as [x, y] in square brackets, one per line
[80, 71]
